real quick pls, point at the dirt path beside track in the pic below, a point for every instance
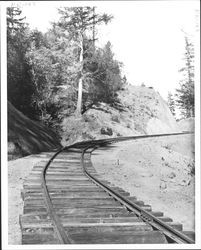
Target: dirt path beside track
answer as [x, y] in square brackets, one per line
[157, 171]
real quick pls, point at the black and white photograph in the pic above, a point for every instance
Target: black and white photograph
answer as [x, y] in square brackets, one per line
[100, 124]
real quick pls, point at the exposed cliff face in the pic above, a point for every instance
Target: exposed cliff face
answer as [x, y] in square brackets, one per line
[26, 136]
[143, 111]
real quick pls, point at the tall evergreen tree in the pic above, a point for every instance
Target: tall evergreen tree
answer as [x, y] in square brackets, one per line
[78, 21]
[185, 94]
[108, 74]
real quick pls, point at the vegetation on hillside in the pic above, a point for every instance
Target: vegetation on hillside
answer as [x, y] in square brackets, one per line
[20, 83]
[61, 72]
[185, 92]
[183, 99]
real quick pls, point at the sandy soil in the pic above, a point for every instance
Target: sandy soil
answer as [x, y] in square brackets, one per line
[18, 171]
[157, 171]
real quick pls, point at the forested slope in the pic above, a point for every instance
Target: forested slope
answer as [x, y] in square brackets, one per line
[62, 79]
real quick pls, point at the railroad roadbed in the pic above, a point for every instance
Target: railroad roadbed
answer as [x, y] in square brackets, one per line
[67, 202]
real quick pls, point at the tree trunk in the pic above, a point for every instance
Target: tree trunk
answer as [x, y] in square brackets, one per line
[79, 99]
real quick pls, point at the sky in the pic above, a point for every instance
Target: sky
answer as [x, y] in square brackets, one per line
[146, 36]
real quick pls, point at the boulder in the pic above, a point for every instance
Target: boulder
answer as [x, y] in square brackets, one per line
[106, 131]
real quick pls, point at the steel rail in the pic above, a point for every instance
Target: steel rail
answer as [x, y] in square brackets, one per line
[63, 237]
[125, 138]
[156, 223]
[62, 234]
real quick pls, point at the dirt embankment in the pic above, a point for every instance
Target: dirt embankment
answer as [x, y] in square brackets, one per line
[187, 124]
[26, 136]
[158, 171]
[141, 110]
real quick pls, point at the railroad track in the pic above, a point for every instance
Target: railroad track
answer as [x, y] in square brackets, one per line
[67, 202]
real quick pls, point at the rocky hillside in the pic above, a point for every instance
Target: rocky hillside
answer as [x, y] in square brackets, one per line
[141, 111]
[26, 136]
[149, 111]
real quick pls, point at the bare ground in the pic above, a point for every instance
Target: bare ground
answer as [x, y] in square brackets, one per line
[157, 171]
[18, 171]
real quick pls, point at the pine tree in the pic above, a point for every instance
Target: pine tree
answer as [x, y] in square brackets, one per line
[15, 22]
[171, 103]
[78, 21]
[185, 94]
[108, 74]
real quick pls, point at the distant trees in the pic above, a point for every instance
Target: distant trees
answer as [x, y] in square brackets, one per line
[171, 103]
[185, 94]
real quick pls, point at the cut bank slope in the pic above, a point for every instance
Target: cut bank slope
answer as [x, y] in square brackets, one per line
[26, 136]
[141, 110]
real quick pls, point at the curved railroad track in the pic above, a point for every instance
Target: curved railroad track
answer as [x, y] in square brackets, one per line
[67, 202]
